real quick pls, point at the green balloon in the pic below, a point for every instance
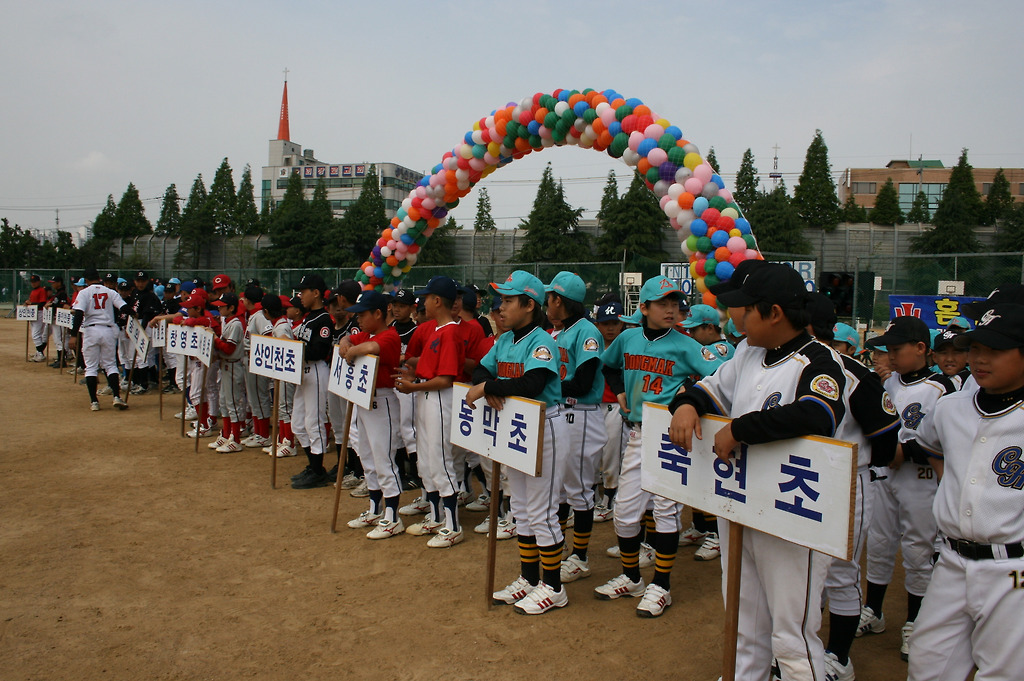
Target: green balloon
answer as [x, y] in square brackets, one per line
[749, 239]
[536, 142]
[622, 112]
[452, 204]
[558, 136]
[709, 278]
[709, 270]
[480, 149]
[668, 143]
[717, 202]
[676, 154]
[691, 243]
[550, 120]
[589, 116]
[704, 244]
[652, 175]
[569, 116]
[619, 144]
[548, 102]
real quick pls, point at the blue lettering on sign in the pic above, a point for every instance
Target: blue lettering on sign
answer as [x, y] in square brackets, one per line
[338, 372]
[517, 439]
[364, 373]
[465, 419]
[490, 422]
[802, 475]
[735, 473]
[674, 458]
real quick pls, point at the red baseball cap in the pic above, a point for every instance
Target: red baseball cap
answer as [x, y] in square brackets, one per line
[194, 300]
[221, 281]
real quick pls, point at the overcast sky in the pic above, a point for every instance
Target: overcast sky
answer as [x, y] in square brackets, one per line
[99, 94]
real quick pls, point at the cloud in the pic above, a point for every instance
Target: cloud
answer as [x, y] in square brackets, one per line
[94, 162]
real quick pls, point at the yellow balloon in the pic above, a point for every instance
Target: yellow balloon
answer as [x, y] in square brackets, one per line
[663, 123]
[692, 160]
[735, 232]
[476, 125]
[693, 267]
[701, 286]
[494, 149]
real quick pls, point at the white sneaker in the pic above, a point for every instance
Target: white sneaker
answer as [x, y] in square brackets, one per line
[38, 357]
[711, 549]
[95, 406]
[445, 538]
[516, 591]
[219, 442]
[484, 527]
[541, 599]
[124, 384]
[654, 601]
[254, 441]
[286, 449]
[360, 492]
[835, 671]
[482, 503]
[350, 481]
[603, 514]
[646, 555]
[905, 633]
[574, 568]
[617, 587]
[426, 526]
[418, 507]
[366, 519]
[230, 447]
[465, 498]
[190, 414]
[386, 529]
[105, 390]
[506, 530]
[613, 551]
[200, 431]
[869, 624]
[119, 403]
[691, 536]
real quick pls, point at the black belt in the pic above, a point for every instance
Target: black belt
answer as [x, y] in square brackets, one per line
[976, 551]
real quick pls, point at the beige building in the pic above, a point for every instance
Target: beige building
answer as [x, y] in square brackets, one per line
[910, 177]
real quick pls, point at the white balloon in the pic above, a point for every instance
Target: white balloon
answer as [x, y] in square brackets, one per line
[671, 208]
[675, 190]
[661, 189]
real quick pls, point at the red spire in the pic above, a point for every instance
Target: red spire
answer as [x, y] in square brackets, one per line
[282, 128]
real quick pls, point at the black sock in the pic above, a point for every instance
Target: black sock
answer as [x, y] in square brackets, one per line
[563, 516]
[354, 464]
[451, 507]
[434, 498]
[581, 530]
[629, 551]
[115, 384]
[609, 494]
[337, 450]
[478, 473]
[402, 464]
[841, 631]
[529, 559]
[90, 383]
[665, 546]
[875, 596]
[913, 606]
[316, 462]
[551, 565]
[376, 497]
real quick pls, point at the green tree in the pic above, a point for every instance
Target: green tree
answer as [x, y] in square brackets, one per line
[853, 211]
[746, 192]
[319, 226]
[196, 230]
[634, 227]
[1011, 233]
[484, 222]
[440, 248]
[609, 199]
[17, 246]
[221, 200]
[247, 218]
[919, 209]
[363, 222]
[999, 203]
[712, 160]
[287, 228]
[130, 216]
[887, 206]
[552, 227]
[956, 216]
[815, 194]
[776, 223]
[169, 222]
[104, 227]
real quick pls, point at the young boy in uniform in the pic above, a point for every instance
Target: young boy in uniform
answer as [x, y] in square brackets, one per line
[231, 348]
[523, 363]
[402, 307]
[951, 360]
[610, 326]
[648, 363]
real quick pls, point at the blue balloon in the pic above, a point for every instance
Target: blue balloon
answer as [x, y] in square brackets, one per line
[718, 180]
[533, 127]
[698, 228]
[614, 128]
[563, 96]
[424, 181]
[719, 238]
[378, 272]
[468, 139]
[724, 270]
[674, 131]
[699, 204]
[580, 108]
[646, 146]
[633, 102]
[407, 239]
[743, 225]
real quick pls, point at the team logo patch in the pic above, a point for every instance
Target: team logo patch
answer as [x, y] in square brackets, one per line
[542, 353]
[912, 416]
[825, 386]
[590, 345]
[325, 332]
[1010, 469]
[722, 349]
[988, 318]
[772, 401]
[707, 354]
[887, 404]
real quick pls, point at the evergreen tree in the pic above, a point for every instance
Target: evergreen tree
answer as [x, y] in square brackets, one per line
[221, 201]
[196, 226]
[247, 218]
[287, 228]
[815, 195]
[956, 216]
[130, 216]
[635, 226]
[746, 192]
[609, 199]
[169, 222]
[852, 211]
[1011, 233]
[887, 206]
[999, 203]
[440, 248]
[919, 209]
[712, 160]
[363, 222]
[104, 227]
[320, 227]
[17, 246]
[484, 222]
[552, 233]
[777, 224]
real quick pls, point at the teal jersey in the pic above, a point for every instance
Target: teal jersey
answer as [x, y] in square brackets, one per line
[654, 370]
[578, 344]
[509, 358]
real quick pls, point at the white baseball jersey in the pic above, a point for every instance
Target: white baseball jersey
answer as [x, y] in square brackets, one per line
[98, 305]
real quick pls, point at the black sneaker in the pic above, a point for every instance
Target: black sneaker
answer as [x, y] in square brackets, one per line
[333, 473]
[314, 479]
[305, 471]
[412, 483]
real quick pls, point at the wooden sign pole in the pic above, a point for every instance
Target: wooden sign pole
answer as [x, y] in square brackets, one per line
[349, 415]
[27, 358]
[732, 602]
[131, 375]
[202, 403]
[492, 533]
[274, 434]
[160, 380]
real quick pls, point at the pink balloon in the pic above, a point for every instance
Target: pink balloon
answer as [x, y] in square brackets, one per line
[736, 244]
[665, 199]
[654, 131]
[436, 180]
[635, 138]
[608, 116]
[725, 194]
[751, 254]
[694, 186]
[703, 172]
[657, 156]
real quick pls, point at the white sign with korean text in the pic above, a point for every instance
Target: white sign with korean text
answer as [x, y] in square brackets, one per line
[800, 490]
[64, 318]
[202, 344]
[158, 334]
[27, 313]
[133, 329]
[48, 315]
[353, 382]
[177, 340]
[277, 358]
[513, 435]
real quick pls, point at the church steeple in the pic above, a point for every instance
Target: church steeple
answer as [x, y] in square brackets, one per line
[283, 132]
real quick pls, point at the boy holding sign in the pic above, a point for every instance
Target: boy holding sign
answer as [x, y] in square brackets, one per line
[780, 384]
[377, 425]
[523, 362]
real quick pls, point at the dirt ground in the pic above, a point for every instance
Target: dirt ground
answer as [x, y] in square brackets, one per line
[125, 555]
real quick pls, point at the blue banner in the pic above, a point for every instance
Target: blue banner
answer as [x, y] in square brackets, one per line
[936, 311]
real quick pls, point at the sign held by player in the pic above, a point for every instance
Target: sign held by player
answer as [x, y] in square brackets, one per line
[354, 381]
[27, 313]
[800, 490]
[513, 435]
[158, 334]
[133, 329]
[277, 358]
[64, 318]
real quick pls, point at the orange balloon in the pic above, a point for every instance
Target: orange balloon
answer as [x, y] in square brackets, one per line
[433, 222]
[392, 260]
[616, 103]
[686, 200]
[387, 235]
[576, 99]
[395, 221]
[539, 116]
[643, 166]
[642, 110]
[598, 126]
[522, 145]
[414, 214]
[722, 254]
[708, 298]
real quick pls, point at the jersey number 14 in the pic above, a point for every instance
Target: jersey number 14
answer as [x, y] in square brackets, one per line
[652, 384]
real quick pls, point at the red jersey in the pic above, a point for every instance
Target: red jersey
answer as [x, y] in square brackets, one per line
[419, 338]
[37, 296]
[444, 353]
[472, 334]
[390, 353]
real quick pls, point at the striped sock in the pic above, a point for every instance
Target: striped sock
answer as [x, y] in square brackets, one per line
[629, 551]
[551, 565]
[665, 546]
[563, 516]
[581, 533]
[529, 559]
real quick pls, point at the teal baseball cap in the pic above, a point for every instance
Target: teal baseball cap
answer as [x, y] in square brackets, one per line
[568, 285]
[701, 315]
[730, 328]
[959, 323]
[657, 288]
[636, 318]
[521, 283]
[847, 334]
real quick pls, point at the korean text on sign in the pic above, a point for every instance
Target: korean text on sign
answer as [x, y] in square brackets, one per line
[179, 340]
[513, 435]
[158, 334]
[27, 313]
[133, 329]
[800, 490]
[64, 318]
[354, 381]
[277, 358]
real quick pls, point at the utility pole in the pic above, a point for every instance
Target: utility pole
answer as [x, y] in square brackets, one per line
[775, 175]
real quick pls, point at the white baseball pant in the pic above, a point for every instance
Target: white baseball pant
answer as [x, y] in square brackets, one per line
[611, 454]
[407, 431]
[309, 408]
[434, 442]
[903, 506]
[631, 501]
[233, 400]
[377, 440]
[99, 349]
[534, 500]
[842, 584]
[585, 437]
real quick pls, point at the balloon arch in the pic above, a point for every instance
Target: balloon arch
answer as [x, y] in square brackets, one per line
[712, 232]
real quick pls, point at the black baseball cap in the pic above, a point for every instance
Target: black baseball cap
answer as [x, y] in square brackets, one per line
[109, 276]
[312, 281]
[405, 297]
[609, 312]
[349, 289]
[295, 301]
[440, 286]
[56, 279]
[141, 275]
[823, 315]
[902, 330]
[34, 277]
[1006, 293]
[948, 335]
[370, 300]
[774, 283]
[253, 293]
[738, 275]
[1001, 327]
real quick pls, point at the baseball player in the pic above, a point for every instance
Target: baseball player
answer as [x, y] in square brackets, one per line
[59, 333]
[337, 303]
[38, 297]
[579, 372]
[285, 314]
[257, 387]
[231, 348]
[780, 384]
[902, 514]
[377, 425]
[523, 363]
[951, 360]
[402, 307]
[648, 364]
[610, 326]
[309, 409]
[971, 615]
[94, 315]
[145, 307]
